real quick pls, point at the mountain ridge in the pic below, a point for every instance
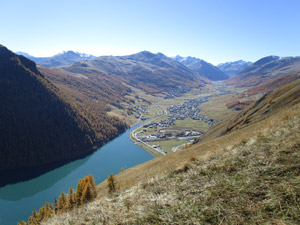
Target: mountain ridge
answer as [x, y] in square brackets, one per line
[60, 59]
[264, 69]
[233, 68]
[202, 67]
[144, 70]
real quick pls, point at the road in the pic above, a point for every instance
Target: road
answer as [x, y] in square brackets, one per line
[134, 132]
[175, 149]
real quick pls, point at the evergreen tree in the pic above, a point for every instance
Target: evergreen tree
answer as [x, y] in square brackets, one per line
[111, 183]
[34, 213]
[92, 182]
[79, 191]
[91, 179]
[62, 200]
[41, 214]
[87, 194]
[71, 199]
[56, 206]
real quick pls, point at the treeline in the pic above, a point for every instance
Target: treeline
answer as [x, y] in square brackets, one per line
[85, 192]
[40, 124]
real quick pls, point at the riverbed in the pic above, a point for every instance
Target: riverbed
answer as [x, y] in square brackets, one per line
[18, 200]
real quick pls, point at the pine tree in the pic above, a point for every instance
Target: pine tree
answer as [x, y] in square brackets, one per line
[87, 194]
[56, 206]
[34, 213]
[79, 191]
[51, 207]
[71, 199]
[92, 182]
[91, 179]
[111, 183]
[62, 200]
[41, 214]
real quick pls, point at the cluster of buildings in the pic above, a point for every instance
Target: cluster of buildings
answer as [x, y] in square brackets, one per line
[190, 108]
[176, 92]
[140, 110]
[153, 137]
[170, 121]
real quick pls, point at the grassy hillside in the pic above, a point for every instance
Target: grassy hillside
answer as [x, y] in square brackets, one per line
[146, 71]
[283, 97]
[243, 177]
[272, 84]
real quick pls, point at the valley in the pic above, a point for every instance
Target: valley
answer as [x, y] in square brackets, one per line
[132, 106]
[150, 112]
[180, 120]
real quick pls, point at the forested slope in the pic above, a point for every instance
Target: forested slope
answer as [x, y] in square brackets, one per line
[38, 125]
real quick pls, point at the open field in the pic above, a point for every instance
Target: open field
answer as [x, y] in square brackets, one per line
[216, 108]
[167, 145]
[189, 124]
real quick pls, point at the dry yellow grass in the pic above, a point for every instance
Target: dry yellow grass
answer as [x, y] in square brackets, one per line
[244, 177]
[206, 149]
[247, 176]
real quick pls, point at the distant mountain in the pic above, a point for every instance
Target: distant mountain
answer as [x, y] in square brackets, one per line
[265, 69]
[233, 68]
[153, 73]
[61, 59]
[37, 60]
[202, 68]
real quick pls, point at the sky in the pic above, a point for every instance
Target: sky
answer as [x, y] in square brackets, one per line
[216, 31]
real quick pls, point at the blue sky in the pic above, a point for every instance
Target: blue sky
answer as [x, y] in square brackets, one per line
[214, 30]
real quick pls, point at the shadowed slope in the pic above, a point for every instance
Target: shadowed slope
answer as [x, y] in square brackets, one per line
[40, 124]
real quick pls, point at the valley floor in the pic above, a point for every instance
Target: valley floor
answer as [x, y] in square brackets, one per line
[173, 124]
[254, 181]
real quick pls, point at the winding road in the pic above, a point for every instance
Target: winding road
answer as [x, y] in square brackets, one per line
[134, 132]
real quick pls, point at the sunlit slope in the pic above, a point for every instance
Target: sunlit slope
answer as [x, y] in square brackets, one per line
[152, 73]
[247, 176]
[213, 142]
[269, 104]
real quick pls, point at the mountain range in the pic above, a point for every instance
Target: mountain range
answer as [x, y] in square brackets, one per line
[233, 68]
[60, 59]
[202, 68]
[265, 69]
[153, 73]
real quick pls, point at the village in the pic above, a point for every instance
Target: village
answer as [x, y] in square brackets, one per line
[161, 130]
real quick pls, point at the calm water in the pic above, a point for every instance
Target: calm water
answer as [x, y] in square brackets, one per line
[18, 200]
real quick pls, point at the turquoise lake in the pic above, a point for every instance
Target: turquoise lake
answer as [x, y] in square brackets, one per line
[18, 200]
